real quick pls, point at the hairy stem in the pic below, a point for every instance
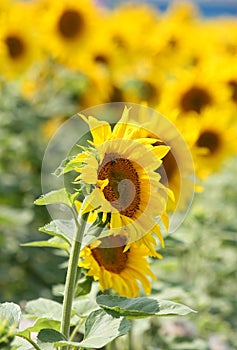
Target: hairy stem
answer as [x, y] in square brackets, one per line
[72, 276]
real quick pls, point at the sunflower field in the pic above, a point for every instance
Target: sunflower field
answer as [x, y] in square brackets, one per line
[59, 58]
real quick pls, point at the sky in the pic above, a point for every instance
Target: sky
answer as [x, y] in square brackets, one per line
[209, 8]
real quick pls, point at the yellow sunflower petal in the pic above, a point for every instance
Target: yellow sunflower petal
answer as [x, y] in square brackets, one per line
[120, 127]
[161, 151]
[114, 268]
[156, 230]
[100, 130]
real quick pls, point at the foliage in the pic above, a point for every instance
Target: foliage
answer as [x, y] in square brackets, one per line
[152, 59]
[203, 263]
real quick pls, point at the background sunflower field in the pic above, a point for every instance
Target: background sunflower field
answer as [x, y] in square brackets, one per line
[60, 57]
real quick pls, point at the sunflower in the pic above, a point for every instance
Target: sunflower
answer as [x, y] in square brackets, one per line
[115, 268]
[18, 39]
[177, 169]
[182, 12]
[224, 33]
[227, 68]
[66, 25]
[120, 170]
[194, 90]
[130, 24]
[216, 139]
[170, 37]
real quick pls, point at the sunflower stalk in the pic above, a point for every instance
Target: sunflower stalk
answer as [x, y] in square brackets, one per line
[72, 275]
[130, 347]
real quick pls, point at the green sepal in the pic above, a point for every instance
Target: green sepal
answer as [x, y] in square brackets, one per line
[61, 168]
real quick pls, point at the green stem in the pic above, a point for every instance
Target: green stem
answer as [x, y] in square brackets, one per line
[111, 345]
[71, 277]
[29, 340]
[130, 347]
[76, 329]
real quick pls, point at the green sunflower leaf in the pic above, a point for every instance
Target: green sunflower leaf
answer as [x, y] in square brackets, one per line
[63, 229]
[48, 337]
[47, 313]
[39, 324]
[44, 308]
[54, 242]
[84, 306]
[60, 196]
[100, 329]
[140, 307]
[11, 313]
[84, 286]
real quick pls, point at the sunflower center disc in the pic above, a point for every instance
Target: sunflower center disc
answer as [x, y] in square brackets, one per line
[195, 99]
[15, 46]
[233, 85]
[123, 189]
[112, 259]
[169, 164]
[70, 24]
[209, 139]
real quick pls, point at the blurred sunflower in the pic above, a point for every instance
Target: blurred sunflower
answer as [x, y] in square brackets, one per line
[227, 68]
[65, 26]
[177, 169]
[130, 24]
[196, 89]
[216, 140]
[182, 12]
[19, 40]
[120, 169]
[130, 68]
[116, 268]
[224, 34]
[169, 38]
[97, 61]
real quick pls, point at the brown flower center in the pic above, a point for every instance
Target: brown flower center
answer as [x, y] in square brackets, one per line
[116, 94]
[233, 86]
[173, 42]
[209, 139]
[169, 166]
[119, 41]
[195, 99]
[123, 189]
[102, 59]
[70, 24]
[15, 46]
[111, 256]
